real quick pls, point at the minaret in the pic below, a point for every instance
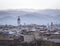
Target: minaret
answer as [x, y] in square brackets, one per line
[18, 20]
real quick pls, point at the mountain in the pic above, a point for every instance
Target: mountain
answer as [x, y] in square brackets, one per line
[30, 16]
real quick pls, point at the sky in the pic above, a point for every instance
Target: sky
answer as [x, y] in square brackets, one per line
[29, 4]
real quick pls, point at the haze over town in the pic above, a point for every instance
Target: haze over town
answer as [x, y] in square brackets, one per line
[29, 22]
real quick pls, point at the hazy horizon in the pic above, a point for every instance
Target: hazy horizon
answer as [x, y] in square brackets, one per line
[31, 11]
[30, 17]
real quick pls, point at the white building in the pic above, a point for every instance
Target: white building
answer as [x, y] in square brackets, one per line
[28, 38]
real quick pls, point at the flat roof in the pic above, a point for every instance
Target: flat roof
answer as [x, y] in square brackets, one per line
[52, 40]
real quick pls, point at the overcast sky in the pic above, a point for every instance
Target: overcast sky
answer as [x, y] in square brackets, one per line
[29, 4]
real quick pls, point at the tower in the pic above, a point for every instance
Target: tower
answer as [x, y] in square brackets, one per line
[18, 20]
[52, 25]
[52, 28]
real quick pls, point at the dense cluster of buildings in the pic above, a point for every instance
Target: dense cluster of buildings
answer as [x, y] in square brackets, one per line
[30, 35]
